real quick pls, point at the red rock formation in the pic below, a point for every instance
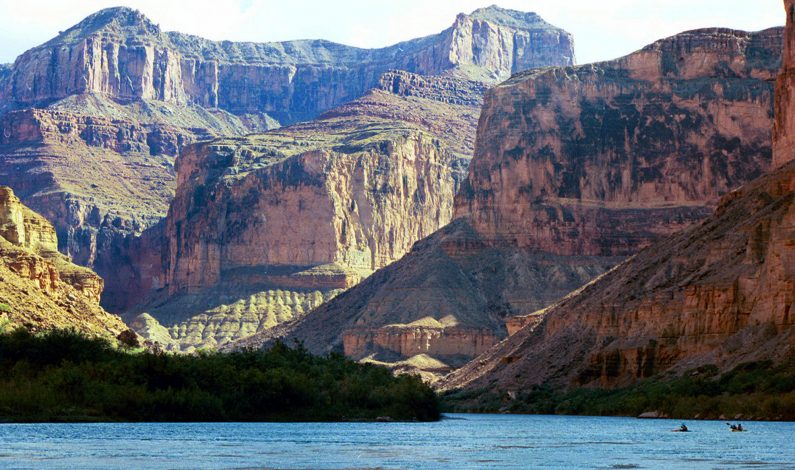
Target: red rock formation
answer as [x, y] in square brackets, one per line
[449, 344]
[574, 169]
[783, 135]
[606, 158]
[719, 293]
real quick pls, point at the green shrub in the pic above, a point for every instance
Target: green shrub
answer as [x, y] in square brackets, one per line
[61, 375]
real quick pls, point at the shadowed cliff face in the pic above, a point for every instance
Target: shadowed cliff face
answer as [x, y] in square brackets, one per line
[41, 288]
[719, 293]
[120, 54]
[574, 169]
[102, 172]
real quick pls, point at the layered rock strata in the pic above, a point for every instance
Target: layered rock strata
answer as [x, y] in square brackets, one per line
[117, 100]
[575, 169]
[120, 54]
[719, 293]
[100, 179]
[41, 289]
[305, 212]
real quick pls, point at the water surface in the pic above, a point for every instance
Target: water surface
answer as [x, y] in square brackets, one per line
[460, 441]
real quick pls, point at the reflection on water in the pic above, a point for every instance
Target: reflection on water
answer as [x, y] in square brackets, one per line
[469, 441]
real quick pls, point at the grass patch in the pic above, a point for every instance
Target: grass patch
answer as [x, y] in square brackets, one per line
[63, 376]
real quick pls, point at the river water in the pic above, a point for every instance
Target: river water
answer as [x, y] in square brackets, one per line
[458, 441]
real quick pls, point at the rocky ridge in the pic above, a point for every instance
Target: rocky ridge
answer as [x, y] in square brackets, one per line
[120, 54]
[41, 288]
[302, 213]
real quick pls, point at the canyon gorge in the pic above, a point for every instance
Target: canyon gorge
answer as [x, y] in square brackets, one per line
[575, 169]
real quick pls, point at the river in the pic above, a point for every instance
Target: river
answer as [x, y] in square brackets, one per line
[458, 441]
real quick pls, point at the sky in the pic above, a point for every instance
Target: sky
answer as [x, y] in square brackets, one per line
[602, 29]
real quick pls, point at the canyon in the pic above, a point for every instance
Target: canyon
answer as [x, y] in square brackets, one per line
[93, 120]
[575, 169]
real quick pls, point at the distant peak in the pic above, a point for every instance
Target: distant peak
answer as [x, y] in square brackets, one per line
[513, 18]
[119, 19]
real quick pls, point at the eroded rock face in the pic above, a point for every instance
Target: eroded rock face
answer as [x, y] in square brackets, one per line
[359, 203]
[721, 292]
[783, 135]
[120, 54]
[606, 158]
[574, 169]
[41, 288]
[308, 210]
[120, 100]
[718, 293]
[112, 178]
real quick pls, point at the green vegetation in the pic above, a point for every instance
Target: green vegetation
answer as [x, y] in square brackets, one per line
[757, 390]
[62, 376]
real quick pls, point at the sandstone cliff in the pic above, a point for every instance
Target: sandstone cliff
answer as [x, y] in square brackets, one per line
[574, 169]
[101, 171]
[40, 288]
[265, 228]
[120, 54]
[719, 293]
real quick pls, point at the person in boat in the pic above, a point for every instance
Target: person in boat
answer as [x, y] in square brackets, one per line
[739, 426]
[683, 428]
[732, 426]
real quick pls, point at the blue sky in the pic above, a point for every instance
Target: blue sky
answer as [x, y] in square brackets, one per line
[602, 29]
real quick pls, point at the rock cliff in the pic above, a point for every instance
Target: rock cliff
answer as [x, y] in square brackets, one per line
[120, 54]
[100, 171]
[719, 293]
[302, 213]
[41, 289]
[92, 120]
[575, 168]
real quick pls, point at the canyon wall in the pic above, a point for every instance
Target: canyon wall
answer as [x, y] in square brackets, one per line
[719, 293]
[100, 179]
[783, 135]
[301, 214]
[575, 169]
[606, 158]
[120, 54]
[92, 121]
[41, 289]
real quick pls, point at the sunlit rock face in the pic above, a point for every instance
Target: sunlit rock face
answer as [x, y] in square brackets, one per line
[41, 289]
[91, 122]
[575, 169]
[604, 159]
[120, 54]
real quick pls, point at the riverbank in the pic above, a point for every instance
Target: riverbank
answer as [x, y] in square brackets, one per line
[62, 376]
[751, 391]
